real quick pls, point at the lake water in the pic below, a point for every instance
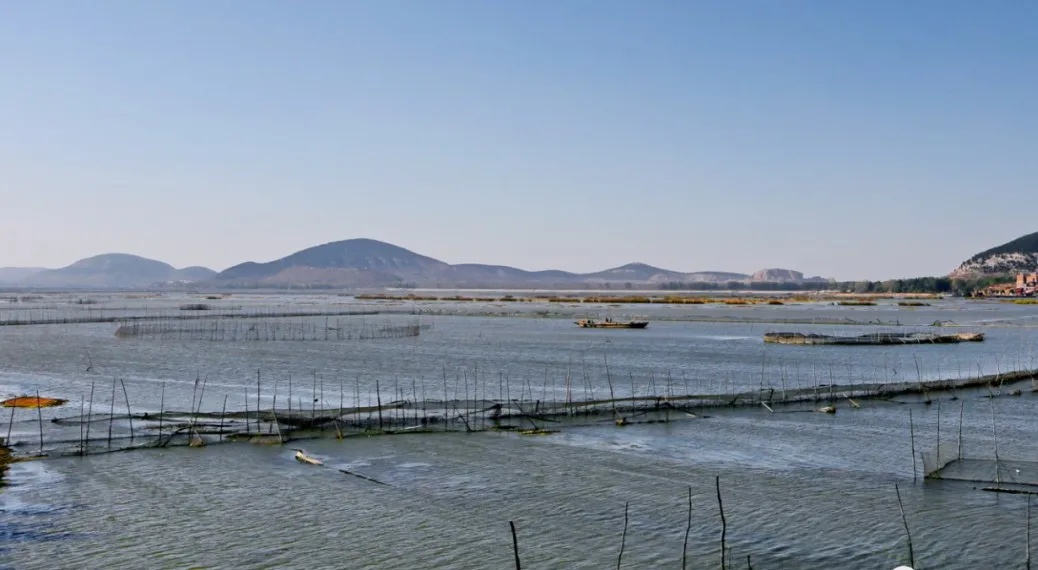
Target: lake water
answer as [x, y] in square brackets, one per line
[800, 490]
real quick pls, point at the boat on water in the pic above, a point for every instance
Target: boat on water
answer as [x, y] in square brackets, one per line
[304, 458]
[610, 324]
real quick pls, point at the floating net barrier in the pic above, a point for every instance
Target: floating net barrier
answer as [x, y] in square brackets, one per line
[269, 329]
[306, 414]
[978, 470]
[950, 460]
[125, 315]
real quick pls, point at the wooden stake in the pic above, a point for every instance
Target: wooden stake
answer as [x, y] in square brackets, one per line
[962, 406]
[10, 423]
[111, 416]
[724, 523]
[129, 413]
[911, 432]
[90, 415]
[222, 412]
[378, 400]
[259, 428]
[162, 411]
[623, 538]
[612, 397]
[994, 441]
[198, 408]
[938, 431]
[39, 415]
[82, 411]
[515, 546]
[274, 408]
[313, 403]
[688, 528]
[911, 554]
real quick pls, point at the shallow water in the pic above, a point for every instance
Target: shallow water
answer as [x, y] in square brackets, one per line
[800, 489]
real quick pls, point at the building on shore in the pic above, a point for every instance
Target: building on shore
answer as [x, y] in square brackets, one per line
[1026, 285]
[1027, 282]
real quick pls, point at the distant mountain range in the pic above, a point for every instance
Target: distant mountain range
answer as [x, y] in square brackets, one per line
[17, 274]
[363, 263]
[1016, 256]
[367, 263]
[110, 271]
[370, 263]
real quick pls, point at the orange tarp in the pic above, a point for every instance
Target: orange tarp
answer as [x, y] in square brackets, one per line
[32, 402]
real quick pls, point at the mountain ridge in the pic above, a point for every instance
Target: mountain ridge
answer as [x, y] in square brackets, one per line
[1015, 256]
[115, 270]
[10, 275]
[363, 262]
[357, 263]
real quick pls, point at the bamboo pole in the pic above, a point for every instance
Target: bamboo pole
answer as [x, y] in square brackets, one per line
[222, 412]
[515, 546]
[688, 529]
[162, 405]
[82, 412]
[994, 441]
[129, 413]
[111, 416]
[313, 402]
[908, 533]
[39, 416]
[90, 415]
[938, 431]
[378, 396]
[724, 523]
[623, 538]
[274, 408]
[10, 424]
[962, 406]
[248, 426]
[911, 433]
[259, 428]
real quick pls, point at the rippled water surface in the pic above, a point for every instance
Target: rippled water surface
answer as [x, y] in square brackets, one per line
[800, 490]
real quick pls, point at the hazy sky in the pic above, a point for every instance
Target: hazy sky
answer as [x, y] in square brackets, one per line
[866, 139]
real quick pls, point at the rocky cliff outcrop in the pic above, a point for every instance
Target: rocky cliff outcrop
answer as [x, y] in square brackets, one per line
[777, 276]
[1017, 256]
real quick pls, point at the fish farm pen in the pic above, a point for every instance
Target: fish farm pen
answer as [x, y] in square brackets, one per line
[111, 315]
[949, 460]
[466, 404]
[268, 329]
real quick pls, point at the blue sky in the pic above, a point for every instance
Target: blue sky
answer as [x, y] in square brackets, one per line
[848, 139]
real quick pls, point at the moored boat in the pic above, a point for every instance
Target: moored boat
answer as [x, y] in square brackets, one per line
[610, 324]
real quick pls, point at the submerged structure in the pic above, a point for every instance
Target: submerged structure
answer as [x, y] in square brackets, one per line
[609, 323]
[882, 338]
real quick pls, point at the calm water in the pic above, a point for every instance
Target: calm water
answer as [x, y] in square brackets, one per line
[800, 490]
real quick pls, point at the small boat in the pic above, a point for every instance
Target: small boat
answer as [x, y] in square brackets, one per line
[610, 324]
[304, 458]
